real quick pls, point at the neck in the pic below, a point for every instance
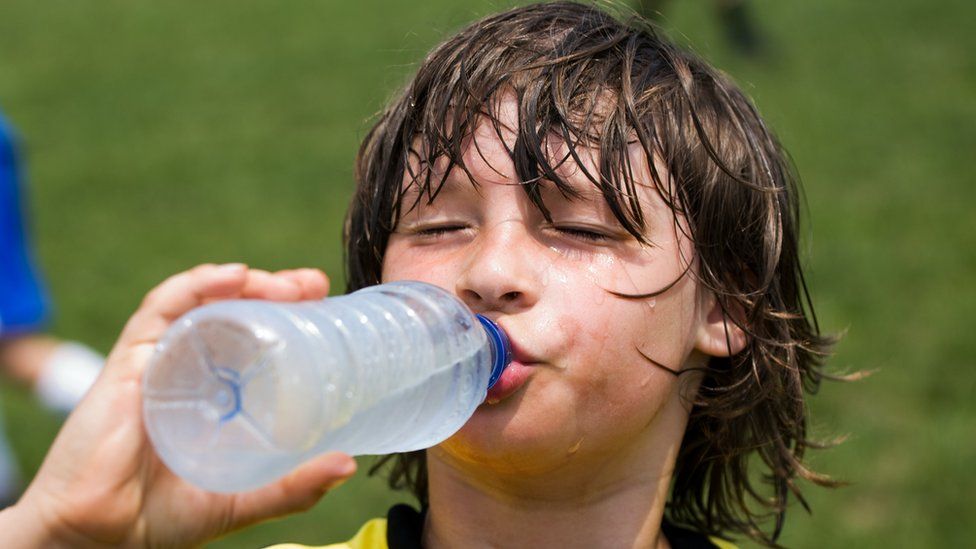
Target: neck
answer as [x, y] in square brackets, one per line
[622, 517]
[613, 500]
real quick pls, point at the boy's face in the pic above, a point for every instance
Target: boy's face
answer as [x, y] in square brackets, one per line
[579, 389]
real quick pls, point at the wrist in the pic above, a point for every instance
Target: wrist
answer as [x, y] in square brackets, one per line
[19, 527]
[22, 525]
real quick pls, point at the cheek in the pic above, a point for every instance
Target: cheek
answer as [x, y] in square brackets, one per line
[615, 404]
[609, 371]
[400, 263]
[605, 341]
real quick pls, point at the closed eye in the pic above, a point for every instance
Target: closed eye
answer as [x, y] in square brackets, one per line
[436, 231]
[582, 233]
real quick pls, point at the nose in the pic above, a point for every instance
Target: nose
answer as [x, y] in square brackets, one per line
[501, 272]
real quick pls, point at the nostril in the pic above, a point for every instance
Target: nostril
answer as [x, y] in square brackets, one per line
[470, 295]
[511, 296]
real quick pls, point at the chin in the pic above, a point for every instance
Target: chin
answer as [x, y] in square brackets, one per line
[498, 439]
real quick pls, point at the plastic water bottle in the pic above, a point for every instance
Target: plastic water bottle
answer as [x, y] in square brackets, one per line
[238, 393]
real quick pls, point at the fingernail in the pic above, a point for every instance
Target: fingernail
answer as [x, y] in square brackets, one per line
[347, 468]
[343, 472]
[231, 267]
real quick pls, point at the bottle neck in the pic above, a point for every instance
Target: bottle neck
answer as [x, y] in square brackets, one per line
[501, 348]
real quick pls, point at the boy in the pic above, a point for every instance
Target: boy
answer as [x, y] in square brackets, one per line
[622, 212]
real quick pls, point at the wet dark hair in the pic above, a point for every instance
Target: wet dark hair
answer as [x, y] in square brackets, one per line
[586, 76]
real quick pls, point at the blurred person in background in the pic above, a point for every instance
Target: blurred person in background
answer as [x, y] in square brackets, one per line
[58, 371]
[738, 24]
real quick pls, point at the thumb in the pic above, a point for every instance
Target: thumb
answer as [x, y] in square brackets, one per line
[298, 491]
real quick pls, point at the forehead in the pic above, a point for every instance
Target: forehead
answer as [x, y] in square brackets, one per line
[499, 145]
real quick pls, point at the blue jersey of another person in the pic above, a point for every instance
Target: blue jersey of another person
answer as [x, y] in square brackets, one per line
[23, 301]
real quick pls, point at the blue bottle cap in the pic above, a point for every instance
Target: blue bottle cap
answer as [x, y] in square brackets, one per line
[501, 349]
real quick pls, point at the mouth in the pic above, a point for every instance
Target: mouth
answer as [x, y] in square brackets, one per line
[514, 376]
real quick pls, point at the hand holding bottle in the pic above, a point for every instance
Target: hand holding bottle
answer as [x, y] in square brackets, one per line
[102, 484]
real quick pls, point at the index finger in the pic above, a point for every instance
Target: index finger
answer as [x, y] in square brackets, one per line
[179, 294]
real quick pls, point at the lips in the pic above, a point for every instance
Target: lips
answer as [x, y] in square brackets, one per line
[514, 376]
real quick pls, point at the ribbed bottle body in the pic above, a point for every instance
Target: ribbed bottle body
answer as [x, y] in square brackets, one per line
[240, 392]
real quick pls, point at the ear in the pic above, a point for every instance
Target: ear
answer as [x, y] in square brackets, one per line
[719, 333]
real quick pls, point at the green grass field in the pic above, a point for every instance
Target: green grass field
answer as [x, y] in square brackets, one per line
[165, 134]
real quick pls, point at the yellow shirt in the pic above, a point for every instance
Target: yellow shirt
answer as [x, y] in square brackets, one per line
[372, 535]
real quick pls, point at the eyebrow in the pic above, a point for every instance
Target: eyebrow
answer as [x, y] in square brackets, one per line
[423, 191]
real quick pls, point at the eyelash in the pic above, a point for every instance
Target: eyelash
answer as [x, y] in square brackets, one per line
[577, 233]
[438, 231]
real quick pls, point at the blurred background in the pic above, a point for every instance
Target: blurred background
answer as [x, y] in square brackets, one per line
[160, 135]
